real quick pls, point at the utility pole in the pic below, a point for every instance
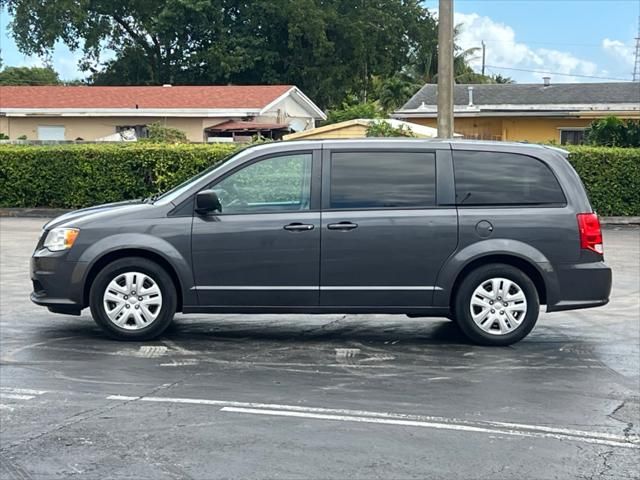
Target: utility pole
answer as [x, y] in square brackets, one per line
[636, 63]
[445, 69]
[484, 50]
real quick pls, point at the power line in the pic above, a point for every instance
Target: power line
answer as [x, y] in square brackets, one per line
[528, 42]
[557, 73]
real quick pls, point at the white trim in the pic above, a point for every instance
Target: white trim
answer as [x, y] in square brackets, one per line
[315, 287]
[130, 112]
[577, 111]
[535, 107]
[253, 287]
[305, 100]
[379, 287]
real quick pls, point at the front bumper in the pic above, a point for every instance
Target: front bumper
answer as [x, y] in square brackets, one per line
[583, 285]
[57, 282]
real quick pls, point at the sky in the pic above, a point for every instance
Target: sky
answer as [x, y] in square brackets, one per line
[575, 40]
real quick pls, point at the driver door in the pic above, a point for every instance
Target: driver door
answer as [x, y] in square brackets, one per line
[263, 248]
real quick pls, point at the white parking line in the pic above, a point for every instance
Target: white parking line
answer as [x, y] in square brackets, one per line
[10, 393]
[15, 396]
[441, 426]
[26, 391]
[500, 428]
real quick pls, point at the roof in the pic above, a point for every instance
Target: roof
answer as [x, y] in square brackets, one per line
[419, 130]
[255, 96]
[149, 100]
[525, 97]
[238, 126]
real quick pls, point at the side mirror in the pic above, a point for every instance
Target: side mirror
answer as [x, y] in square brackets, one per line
[207, 201]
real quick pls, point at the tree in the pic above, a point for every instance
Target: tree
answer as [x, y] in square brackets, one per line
[497, 78]
[613, 132]
[394, 92]
[158, 133]
[329, 48]
[29, 76]
[352, 111]
[382, 128]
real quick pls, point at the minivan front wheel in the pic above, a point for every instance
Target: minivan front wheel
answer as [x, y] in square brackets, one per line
[497, 304]
[133, 298]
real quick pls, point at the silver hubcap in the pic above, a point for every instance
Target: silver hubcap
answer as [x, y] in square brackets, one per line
[132, 300]
[498, 306]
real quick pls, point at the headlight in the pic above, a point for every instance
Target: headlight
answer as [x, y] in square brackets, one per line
[60, 239]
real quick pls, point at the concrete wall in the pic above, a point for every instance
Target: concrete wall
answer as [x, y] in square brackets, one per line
[90, 128]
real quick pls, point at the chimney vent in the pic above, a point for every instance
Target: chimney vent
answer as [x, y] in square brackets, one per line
[547, 81]
[470, 90]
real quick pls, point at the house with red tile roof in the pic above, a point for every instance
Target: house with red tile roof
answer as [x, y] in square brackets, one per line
[204, 113]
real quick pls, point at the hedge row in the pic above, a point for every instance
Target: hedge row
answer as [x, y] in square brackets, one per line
[611, 177]
[72, 176]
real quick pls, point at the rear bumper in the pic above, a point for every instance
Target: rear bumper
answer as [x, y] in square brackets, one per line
[583, 285]
[57, 283]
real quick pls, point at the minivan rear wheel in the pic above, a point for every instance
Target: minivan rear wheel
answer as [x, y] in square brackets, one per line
[133, 298]
[496, 304]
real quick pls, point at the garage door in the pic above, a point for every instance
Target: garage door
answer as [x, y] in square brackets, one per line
[50, 132]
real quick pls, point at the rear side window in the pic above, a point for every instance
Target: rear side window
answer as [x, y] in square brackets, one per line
[490, 178]
[382, 180]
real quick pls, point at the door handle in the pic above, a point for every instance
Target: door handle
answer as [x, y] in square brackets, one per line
[298, 227]
[342, 226]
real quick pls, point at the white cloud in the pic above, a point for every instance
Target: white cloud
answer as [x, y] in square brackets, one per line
[619, 51]
[502, 49]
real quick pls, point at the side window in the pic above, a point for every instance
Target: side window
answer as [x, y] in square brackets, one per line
[277, 184]
[490, 178]
[382, 180]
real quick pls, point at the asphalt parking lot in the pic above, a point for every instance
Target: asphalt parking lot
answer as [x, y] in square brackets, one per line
[281, 396]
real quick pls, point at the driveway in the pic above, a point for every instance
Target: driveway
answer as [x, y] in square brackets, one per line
[283, 396]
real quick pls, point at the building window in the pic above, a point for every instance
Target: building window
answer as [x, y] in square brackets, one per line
[572, 136]
[141, 130]
[51, 132]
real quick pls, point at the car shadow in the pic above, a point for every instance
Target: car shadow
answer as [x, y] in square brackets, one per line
[286, 329]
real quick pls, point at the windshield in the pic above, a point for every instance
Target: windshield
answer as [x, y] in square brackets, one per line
[175, 192]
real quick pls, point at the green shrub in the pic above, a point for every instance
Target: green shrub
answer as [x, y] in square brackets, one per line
[611, 177]
[73, 176]
[158, 133]
[613, 132]
[382, 128]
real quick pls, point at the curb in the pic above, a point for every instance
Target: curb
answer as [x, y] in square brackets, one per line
[33, 212]
[620, 220]
[55, 212]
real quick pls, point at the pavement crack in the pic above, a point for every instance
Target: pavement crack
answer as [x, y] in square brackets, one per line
[83, 416]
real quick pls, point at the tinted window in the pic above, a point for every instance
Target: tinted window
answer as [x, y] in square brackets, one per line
[382, 180]
[489, 178]
[273, 185]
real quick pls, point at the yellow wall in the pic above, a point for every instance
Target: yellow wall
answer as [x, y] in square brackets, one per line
[351, 131]
[90, 128]
[511, 128]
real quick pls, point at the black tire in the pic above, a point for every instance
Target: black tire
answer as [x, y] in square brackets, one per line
[147, 267]
[462, 305]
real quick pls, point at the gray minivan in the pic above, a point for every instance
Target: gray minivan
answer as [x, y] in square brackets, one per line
[480, 232]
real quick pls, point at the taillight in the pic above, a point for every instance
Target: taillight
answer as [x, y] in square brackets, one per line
[590, 232]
